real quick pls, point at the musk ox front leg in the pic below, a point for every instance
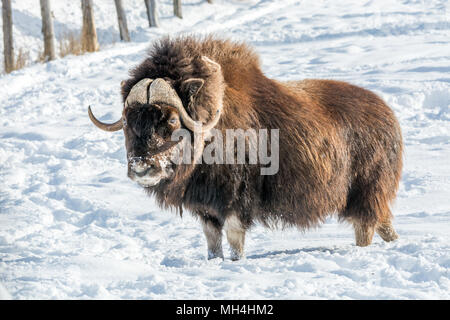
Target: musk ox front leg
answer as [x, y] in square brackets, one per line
[213, 233]
[235, 236]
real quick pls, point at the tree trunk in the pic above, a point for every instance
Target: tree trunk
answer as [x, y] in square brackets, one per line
[89, 40]
[152, 14]
[124, 35]
[177, 8]
[47, 31]
[8, 48]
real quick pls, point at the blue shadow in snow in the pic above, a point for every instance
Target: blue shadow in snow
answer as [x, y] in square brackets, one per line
[289, 252]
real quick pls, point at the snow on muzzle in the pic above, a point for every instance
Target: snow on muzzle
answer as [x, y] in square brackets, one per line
[151, 169]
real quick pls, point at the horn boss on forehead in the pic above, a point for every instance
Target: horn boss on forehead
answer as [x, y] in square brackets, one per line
[139, 92]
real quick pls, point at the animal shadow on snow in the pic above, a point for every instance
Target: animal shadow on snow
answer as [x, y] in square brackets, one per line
[293, 251]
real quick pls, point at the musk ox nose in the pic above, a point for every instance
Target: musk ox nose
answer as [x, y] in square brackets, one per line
[139, 167]
[140, 171]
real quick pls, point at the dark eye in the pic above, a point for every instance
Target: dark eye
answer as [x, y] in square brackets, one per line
[124, 121]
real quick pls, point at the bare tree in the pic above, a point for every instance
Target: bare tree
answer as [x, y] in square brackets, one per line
[47, 31]
[123, 29]
[89, 40]
[8, 48]
[177, 8]
[152, 14]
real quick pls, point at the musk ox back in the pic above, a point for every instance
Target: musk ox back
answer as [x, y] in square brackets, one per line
[339, 147]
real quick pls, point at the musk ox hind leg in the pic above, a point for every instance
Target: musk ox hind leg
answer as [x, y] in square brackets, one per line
[368, 210]
[213, 233]
[363, 233]
[235, 236]
[386, 231]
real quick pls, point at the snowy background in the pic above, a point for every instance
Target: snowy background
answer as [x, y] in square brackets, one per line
[72, 226]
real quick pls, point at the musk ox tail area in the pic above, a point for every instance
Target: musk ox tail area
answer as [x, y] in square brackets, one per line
[374, 140]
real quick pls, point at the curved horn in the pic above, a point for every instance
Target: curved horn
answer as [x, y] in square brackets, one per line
[161, 91]
[116, 126]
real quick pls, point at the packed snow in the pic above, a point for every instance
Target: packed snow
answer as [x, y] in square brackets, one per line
[73, 226]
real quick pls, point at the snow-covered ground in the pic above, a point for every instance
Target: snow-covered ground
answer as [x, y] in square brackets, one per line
[72, 226]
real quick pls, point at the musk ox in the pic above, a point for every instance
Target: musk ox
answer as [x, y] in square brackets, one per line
[339, 145]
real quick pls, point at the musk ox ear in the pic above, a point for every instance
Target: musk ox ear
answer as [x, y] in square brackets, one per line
[212, 65]
[191, 87]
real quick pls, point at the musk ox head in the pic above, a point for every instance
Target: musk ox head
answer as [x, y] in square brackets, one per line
[154, 110]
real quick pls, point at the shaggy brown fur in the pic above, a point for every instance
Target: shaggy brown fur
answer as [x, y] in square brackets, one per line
[340, 145]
